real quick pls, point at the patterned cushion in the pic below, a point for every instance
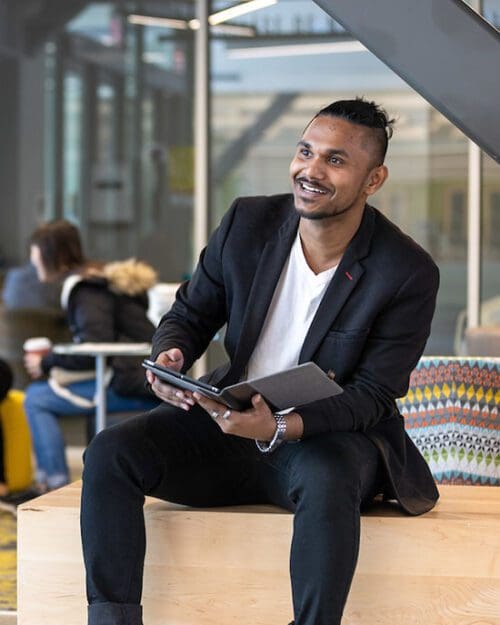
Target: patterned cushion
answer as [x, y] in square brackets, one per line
[451, 414]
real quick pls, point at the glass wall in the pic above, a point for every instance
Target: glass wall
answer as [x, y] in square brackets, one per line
[72, 146]
[490, 244]
[103, 135]
[126, 142]
[266, 89]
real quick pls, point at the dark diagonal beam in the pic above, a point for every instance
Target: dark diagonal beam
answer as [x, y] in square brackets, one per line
[49, 21]
[239, 148]
[443, 49]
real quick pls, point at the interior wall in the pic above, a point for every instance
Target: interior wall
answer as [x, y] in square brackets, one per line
[31, 140]
[9, 124]
[21, 156]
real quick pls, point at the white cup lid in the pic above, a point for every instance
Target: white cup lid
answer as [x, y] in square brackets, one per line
[37, 343]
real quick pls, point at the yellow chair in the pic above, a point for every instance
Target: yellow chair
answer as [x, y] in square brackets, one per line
[16, 442]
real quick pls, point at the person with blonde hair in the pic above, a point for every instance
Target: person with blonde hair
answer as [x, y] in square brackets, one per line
[103, 303]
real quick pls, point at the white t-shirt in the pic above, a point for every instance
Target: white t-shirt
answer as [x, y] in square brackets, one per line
[295, 301]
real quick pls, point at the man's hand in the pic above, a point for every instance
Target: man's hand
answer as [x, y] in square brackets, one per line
[257, 422]
[33, 364]
[173, 359]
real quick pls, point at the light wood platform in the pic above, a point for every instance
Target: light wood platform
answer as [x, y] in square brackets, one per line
[230, 566]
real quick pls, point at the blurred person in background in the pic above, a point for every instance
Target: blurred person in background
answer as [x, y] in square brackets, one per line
[22, 290]
[103, 303]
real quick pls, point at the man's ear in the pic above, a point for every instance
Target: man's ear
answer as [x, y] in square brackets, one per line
[376, 178]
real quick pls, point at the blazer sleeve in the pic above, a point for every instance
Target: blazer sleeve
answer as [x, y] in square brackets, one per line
[91, 319]
[199, 310]
[393, 347]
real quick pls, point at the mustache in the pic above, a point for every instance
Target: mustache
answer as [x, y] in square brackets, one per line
[312, 183]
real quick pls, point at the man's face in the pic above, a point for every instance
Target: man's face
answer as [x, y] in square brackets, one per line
[333, 168]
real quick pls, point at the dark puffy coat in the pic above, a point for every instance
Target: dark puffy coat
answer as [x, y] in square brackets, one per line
[108, 306]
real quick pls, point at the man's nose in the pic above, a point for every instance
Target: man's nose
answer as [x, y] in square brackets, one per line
[315, 168]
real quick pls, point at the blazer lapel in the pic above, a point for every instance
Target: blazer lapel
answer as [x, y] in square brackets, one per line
[266, 277]
[341, 286]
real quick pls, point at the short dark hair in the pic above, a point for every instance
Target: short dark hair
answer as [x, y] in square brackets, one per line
[60, 246]
[364, 113]
[6, 379]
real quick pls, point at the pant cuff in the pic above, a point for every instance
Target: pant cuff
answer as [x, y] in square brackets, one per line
[115, 614]
[41, 477]
[57, 480]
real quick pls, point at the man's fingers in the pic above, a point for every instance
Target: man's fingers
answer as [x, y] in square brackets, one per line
[172, 358]
[257, 401]
[204, 402]
[175, 354]
[171, 395]
[214, 409]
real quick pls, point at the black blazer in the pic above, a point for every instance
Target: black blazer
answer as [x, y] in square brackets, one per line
[370, 329]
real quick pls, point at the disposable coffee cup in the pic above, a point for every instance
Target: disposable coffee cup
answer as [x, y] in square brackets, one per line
[161, 298]
[40, 345]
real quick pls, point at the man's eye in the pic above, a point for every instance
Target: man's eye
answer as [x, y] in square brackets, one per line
[305, 152]
[335, 160]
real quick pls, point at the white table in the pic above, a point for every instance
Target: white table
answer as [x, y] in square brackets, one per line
[100, 351]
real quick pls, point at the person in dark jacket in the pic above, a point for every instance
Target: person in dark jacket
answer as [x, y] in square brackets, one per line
[319, 275]
[103, 303]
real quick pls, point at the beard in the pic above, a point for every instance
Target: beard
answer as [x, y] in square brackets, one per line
[322, 214]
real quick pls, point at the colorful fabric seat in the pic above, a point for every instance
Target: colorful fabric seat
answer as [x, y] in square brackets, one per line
[451, 414]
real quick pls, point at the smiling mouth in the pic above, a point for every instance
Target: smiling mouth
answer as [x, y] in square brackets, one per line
[311, 188]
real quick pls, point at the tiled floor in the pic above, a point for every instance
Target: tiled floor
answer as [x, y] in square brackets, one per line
[8, 561]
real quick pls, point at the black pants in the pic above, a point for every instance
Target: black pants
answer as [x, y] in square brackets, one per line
[184, 457]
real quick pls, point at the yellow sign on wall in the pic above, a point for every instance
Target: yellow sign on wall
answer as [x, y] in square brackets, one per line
[180, 167]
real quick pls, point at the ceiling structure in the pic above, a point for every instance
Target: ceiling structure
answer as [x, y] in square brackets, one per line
[444, 49]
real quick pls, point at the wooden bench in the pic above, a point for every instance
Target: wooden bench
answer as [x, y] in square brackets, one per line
[230, 566]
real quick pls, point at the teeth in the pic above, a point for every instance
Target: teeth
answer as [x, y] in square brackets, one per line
[308, 187]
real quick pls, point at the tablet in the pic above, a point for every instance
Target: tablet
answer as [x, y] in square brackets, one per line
[181, 380]
[293, 387]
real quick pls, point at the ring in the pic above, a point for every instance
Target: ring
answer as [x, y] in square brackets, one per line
[226, 414]
[214, 414]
